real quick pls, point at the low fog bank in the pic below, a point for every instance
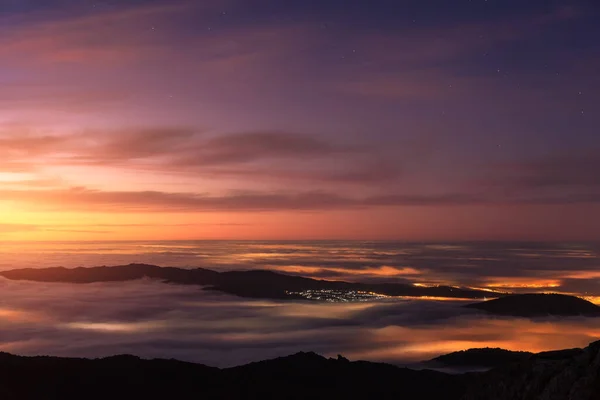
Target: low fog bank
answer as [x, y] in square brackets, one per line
[151, 319]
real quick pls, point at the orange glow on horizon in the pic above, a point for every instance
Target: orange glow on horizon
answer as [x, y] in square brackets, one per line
[11, 315]
[518, 335]
[522, 283]
[105, 142]
[383, 271]
[592, 299]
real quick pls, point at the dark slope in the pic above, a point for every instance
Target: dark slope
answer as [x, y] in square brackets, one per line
[561, 375]
[256, 284]
[486, 357]
[122, 273]
[301, 376]
[538, 305]
[119, 377]
[308, 375]
[483, 359]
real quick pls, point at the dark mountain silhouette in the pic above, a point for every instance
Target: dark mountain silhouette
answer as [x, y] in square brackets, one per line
[562, 375]
[254, 284]
[483, 359]
[486, 357]
[557, 354]
[301, 376]
[538, 305]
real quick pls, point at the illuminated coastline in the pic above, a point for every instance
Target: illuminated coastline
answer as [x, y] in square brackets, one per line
[350, 296]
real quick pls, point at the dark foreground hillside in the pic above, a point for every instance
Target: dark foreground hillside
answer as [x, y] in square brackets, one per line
[301, 376]
[563, 375]
[560, 375]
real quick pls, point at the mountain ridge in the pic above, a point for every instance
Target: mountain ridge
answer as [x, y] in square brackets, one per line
[538, 305]
[250, 284]
[572, 374]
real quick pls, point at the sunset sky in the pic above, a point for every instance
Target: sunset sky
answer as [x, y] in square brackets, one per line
[271, 119]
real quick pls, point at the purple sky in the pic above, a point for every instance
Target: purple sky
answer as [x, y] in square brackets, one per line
[299, 119]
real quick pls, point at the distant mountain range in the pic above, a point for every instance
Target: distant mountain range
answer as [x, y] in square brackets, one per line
[564, 375]
[484, 358]
[253, 284]
[272, 285]
[487, 358]
[539, 305]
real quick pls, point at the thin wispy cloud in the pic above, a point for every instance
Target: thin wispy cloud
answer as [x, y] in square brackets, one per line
[156, 107]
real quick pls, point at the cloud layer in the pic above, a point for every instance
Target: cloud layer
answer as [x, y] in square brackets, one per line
[157, 320]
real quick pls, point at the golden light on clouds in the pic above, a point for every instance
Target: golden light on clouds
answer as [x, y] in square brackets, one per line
[422, 343]
[383, 271]
[521, 283]
[119, 327]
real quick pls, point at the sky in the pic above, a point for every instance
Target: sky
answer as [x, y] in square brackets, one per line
[266, 119]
